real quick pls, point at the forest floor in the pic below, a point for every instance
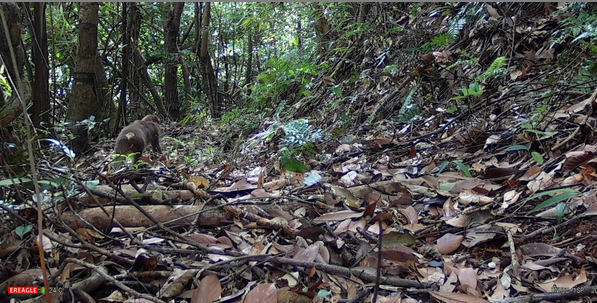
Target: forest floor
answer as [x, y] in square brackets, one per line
[491, 201]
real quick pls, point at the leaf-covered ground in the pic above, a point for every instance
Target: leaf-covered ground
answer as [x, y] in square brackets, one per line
[485, 192]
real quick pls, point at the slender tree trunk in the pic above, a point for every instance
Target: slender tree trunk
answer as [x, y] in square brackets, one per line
[321, 28]
[41, 102]
[299, 41]
[13, 57]
[142, 69]
[134, 81]
[363, 11]
[102, 89]
[210, 85]
[186, 77]
[172, 28]
[249, 74]
[125, 64]
[82, 100]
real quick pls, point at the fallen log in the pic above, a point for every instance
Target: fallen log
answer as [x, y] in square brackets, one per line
[130, 216]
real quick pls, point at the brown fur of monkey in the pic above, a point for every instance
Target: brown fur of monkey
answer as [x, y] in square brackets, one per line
[136, 137]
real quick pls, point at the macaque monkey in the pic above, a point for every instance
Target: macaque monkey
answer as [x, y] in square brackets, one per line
[136, 137]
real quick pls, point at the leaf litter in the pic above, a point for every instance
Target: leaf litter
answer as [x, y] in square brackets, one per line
[453, 209]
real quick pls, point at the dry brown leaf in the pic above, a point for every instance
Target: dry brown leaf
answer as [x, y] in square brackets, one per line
[591, 210]
[467, 197]
[399, 253]
[338, 216]
[262, 293]
[260, 193]
[564, 282]
[498, 172]
[459, 221]
[286, 296]
[450, 297]
[308, 254]
[412, 217]
[480, 234]
[449, 243]
[576, 158]
[448, 207]
[274, 185]
[202, 238]
[492, 11]
[468, 277]
[200, 181]
[539, 249]
[499, 293]
[208, 291]
[311, 232]
[88, 234]
[354, 225]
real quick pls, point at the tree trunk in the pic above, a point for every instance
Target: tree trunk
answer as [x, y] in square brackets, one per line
[172, 28]
[249, 74]
[186, 76]
[142, 69]
[41, 101]
[125, 64]
[134, 76]
[210, 84]
[321, 28]
[363, 11]
[82, 100]
[102, 88]
[13, 56]
[299, 41]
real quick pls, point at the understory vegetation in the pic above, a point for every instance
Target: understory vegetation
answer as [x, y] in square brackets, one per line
[310, 152]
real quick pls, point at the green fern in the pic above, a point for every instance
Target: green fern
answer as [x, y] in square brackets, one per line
[465, 14]
[587, 75]
[409, 111]
[581, 24]
[461, 62]
[495, 70]
[473, 90]
[439, 42]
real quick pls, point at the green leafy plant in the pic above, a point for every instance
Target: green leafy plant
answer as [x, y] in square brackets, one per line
[473, 90]
[495, 70]
[587, 76]
[572, 192]
[409, 111]
[537, 157]
[279, 75]
[561, 210]
[300, 132]
[466, 13]
[581, 24]
[355, 29]
[458, 164]
[529, 128]
[555, 199]
[9, 182]
[462, 62]
[439, 42]
[443, 166]
[140, 163]
[463, 168]
[289, 162]
[22, 230]
[391, 70]
[517, 147]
